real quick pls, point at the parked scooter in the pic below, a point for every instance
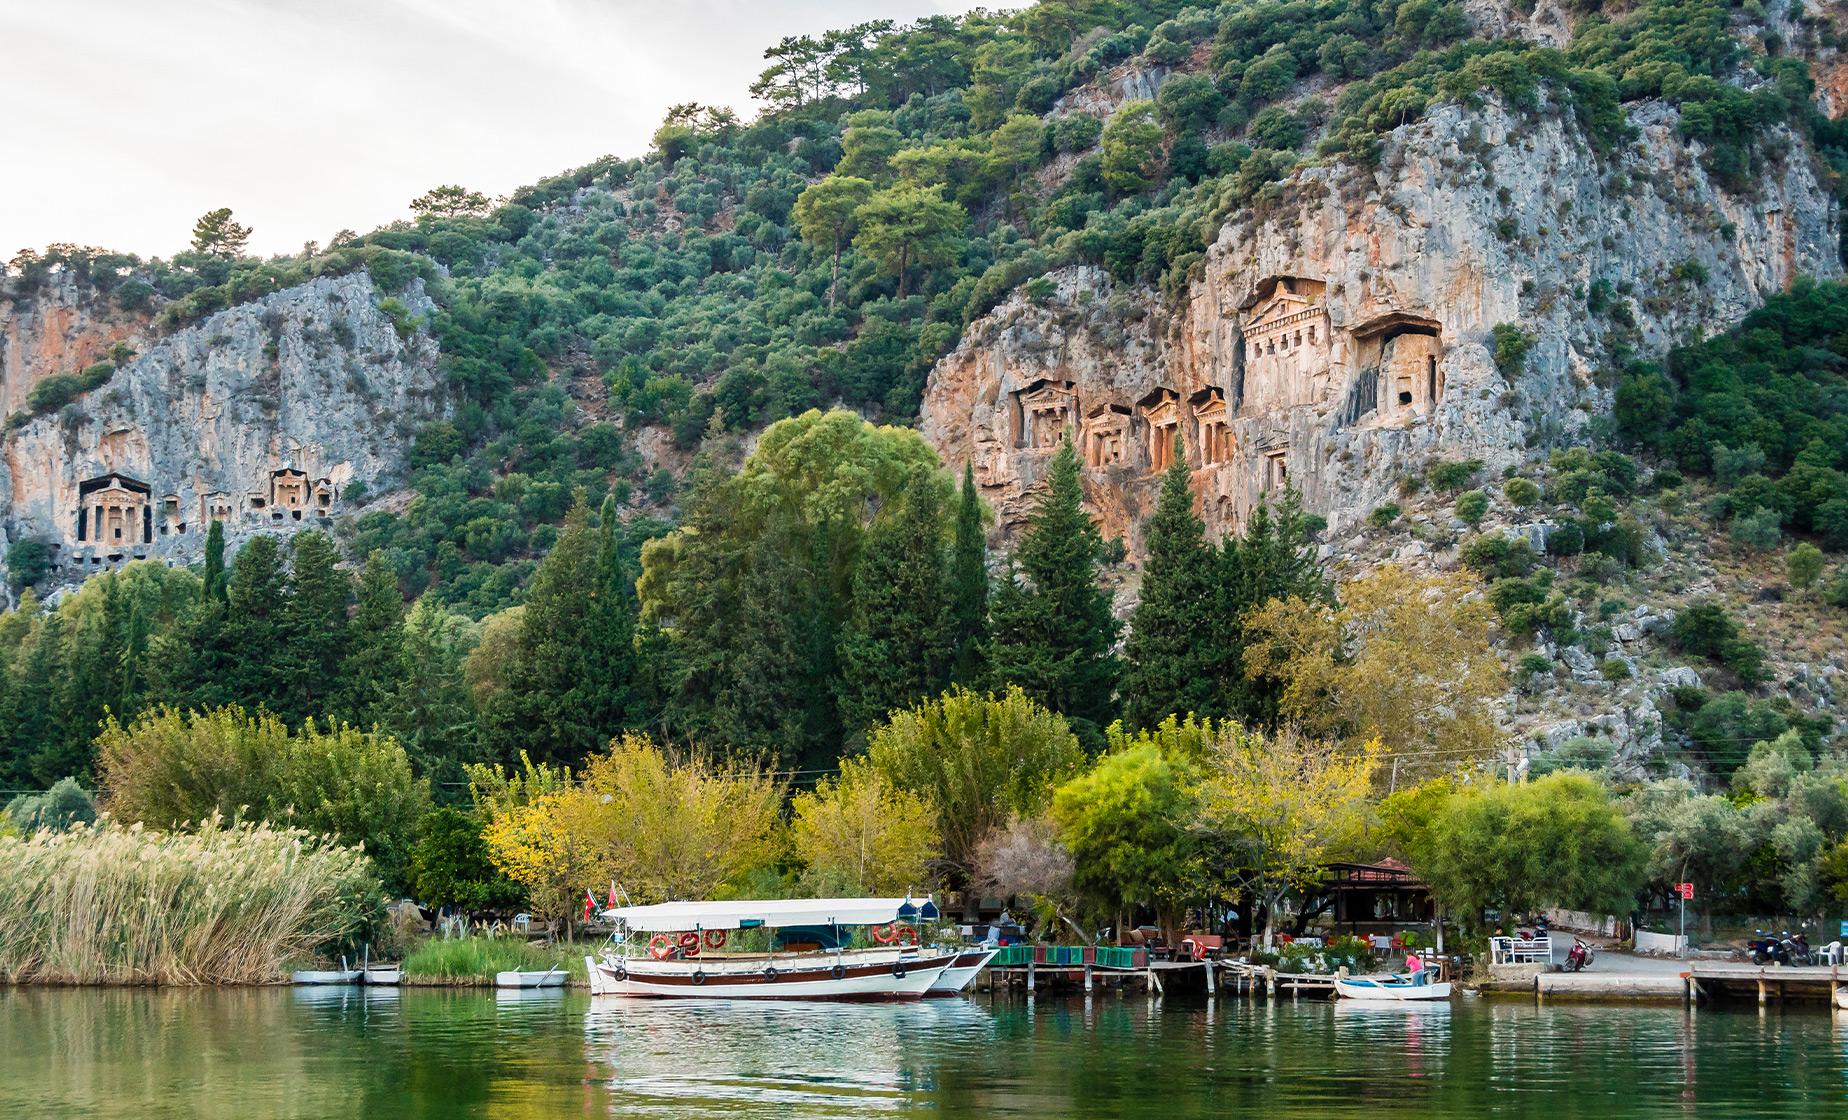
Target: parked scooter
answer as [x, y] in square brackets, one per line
[1772, 949]
[1580, 957]
[1763, 950]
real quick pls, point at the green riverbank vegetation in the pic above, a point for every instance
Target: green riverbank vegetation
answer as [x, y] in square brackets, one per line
[778, 644]
[221, 904]
[473, 961]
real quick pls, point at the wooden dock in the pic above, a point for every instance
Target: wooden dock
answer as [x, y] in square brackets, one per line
[1718, 980]
[1031, 967]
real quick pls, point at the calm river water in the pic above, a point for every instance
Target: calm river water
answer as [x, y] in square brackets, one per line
[419, 1053]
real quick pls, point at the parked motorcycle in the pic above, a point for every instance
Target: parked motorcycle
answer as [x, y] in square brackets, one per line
[1580, 957]
[1769, 949]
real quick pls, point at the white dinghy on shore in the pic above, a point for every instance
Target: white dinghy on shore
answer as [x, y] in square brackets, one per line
[341, 975]
[550, 978]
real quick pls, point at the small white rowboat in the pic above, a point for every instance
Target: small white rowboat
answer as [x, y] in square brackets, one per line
[383, 975]
[328, 975]
[550, 978]
[1390, 989]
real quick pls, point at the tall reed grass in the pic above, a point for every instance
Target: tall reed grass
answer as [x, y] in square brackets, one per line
[114, 904]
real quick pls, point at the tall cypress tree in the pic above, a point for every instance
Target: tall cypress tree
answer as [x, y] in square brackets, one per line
[428, 708]
[608, 691]
[968, 585]
[1274, 558]
[34, 725]
[213, 585]
[256, 596]
[897, 647]
[313, 626]
[198, 667]
[1052, 632]
[555, 644]
[1175, 658]
[374, 661]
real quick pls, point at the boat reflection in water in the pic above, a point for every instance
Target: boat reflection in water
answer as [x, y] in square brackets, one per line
[691, 1054]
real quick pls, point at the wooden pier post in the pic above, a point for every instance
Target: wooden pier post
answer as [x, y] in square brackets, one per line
[1087, 978]
[1029, 976]
[1211, 988]
[1270, 981]
[1761, 989]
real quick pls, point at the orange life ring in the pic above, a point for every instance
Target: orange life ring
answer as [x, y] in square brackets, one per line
[715, 939]
[904, 933]
[661, 946]
[885, 935]
[689, 944]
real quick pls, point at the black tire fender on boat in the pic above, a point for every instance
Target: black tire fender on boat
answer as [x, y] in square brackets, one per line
[898, 971]
[770, 974]
[839, 971]
[620, 974]
[699, 976]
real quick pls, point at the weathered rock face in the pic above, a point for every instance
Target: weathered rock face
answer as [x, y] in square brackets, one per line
[1344, 337]
[60, 328]
[264, 416]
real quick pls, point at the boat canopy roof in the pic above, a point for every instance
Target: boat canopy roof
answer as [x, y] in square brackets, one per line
[773, 913]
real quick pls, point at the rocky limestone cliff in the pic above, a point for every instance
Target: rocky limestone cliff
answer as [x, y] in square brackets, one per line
[61, 327]
[264, 416]
[1343, 337]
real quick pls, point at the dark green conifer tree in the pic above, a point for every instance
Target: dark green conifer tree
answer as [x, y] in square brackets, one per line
[1274, 558]
[548, 720]
[1052, 630]
[608, 691]
[897, 647]
[374, 661]
[1175, 660]
[779, 701]
[312, 623]
[968, 586]
[32, 723]
[256, 598]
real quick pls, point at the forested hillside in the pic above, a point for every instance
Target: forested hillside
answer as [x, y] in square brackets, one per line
[617, 343]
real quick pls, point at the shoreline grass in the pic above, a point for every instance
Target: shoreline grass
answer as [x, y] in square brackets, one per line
[473, 961]
[113, 904]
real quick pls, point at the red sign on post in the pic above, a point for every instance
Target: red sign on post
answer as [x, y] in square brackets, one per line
[1685, 890]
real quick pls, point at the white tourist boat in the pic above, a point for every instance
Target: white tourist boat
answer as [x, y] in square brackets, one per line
[678, 950]
[961, 972]
[1399, 988]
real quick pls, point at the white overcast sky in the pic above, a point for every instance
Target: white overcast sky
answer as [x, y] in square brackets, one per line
[124, 120]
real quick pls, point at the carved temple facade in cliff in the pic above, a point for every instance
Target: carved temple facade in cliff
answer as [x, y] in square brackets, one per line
[118, 518]
[1297, 370]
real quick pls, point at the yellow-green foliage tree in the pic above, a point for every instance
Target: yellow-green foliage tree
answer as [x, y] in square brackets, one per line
[169, 769]
[1404, 660]
[681, 827]
[1280, 807]
[1127, 823]
[664, 828]
[550, 846]
[860, 834]
[978, 760]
